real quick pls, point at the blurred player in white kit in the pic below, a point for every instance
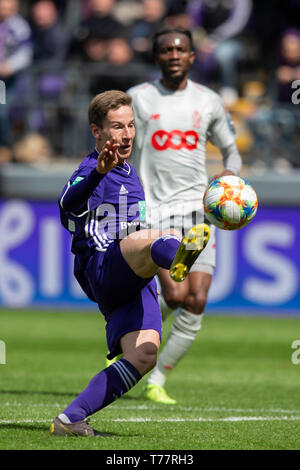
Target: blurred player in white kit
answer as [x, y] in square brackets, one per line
[174, 119]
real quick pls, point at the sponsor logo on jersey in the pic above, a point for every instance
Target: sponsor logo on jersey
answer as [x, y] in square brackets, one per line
[126, 225]
[155, 116]
[123, 190]
[175, 140]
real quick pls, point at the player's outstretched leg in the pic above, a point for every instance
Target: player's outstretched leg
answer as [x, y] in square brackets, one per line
[166, 251]
[189, 249]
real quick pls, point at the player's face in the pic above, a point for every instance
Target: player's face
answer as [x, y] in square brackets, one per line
[174, 56]
[119, 125]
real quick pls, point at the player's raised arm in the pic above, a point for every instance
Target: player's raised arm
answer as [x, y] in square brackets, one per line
[222, 135]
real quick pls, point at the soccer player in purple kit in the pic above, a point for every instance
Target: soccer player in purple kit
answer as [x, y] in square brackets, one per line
[116, 267]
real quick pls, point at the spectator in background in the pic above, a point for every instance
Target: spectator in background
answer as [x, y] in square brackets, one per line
[276, 127]
[50, 46]
[124, 66]
[119, 52]
[177, 15]
[101, 43]
[121, 69]
[102, 40]
[15, 57]
[128, 11]
[38, 110]
[33, 149]
[288, 67]
[102, 16]
[218, 27]
[99, 25]
[94, 46]
[152, 20]
[50, 37]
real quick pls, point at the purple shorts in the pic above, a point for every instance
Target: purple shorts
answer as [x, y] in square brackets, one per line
[127, 301]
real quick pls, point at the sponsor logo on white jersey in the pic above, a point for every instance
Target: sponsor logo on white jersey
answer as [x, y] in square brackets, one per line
[176, 140]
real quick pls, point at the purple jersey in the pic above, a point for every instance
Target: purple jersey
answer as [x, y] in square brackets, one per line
[99, 209]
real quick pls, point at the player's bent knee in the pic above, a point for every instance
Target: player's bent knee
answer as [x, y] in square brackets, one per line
[174, 297]
[196, 303]
[144, 358]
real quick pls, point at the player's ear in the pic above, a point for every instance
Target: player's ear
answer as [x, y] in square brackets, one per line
[192, 57]
[96, 131]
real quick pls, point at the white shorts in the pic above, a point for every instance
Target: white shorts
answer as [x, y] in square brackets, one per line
[206, 261]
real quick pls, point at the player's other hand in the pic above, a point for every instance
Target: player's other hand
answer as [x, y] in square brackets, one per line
[224, 173]
[108, 157]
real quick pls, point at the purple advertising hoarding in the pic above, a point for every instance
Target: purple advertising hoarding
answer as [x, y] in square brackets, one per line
[258, 267]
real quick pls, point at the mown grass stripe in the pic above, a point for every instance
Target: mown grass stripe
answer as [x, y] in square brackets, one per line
[169, 420]
[163, 407]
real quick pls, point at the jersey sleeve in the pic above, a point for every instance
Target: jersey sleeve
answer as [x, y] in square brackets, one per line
[221, 132]
[78, 191]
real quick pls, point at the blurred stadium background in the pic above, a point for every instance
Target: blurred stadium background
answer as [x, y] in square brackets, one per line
[60, 53]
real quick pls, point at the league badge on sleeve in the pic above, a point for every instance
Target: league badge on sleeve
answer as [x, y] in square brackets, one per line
[230, 123]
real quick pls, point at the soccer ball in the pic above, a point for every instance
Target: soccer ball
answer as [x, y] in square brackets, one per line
[230, 202]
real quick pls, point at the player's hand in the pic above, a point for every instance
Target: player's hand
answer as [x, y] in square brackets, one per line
[108, 157]
[224, 173]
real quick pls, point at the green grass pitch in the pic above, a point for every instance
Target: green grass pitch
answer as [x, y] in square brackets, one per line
[237, 387]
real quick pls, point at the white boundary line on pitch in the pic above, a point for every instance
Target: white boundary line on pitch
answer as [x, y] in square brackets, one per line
[170, 420]
[159, 407]
[200, 419]
[208, 410]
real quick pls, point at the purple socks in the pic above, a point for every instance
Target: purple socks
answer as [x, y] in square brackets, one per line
[102, 390]
[163, 250]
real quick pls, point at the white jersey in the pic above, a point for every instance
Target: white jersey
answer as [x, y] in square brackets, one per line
[172, 129]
